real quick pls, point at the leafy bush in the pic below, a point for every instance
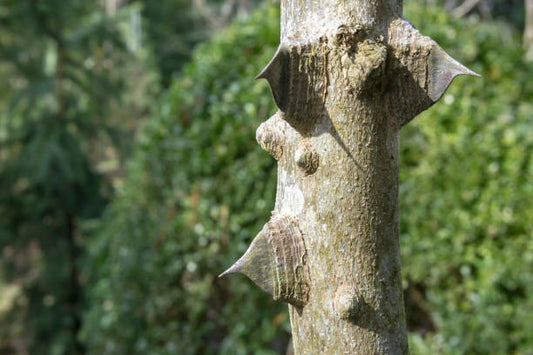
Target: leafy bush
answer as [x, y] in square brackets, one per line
[465, 194]
[199, 188]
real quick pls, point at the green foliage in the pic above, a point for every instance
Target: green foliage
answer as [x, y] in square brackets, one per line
[172, 30]
[175, 27]
[60, 60]
[199, 188]
[466, 195]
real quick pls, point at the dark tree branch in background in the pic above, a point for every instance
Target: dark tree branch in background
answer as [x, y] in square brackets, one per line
[218, 20]
[60, 93]
[467, 6]
[485, 10]
[463, 9]
[244, 7]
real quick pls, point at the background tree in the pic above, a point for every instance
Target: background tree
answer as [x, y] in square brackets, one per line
[60, 61]
[174, 27]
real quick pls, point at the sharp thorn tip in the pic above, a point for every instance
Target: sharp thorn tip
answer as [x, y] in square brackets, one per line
[232, 270]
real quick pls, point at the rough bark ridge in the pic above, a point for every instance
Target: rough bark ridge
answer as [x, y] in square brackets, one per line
[347, 76]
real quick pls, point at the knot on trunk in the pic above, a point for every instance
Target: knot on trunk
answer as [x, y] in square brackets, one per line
[306, 157]
[270, 137]
[363, 65]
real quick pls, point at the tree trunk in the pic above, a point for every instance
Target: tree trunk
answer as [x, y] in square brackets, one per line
[347, 76]
[528, 31]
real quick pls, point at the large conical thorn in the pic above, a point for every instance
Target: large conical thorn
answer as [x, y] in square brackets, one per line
[256, 263]
[276, 262]
[277, 73]
[421, 71]
[289, 75]
[442, 70]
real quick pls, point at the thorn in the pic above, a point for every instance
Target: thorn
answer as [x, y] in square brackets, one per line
[256, 263]
[277, 74]
[442, 70]
[235, 268]
[275, 262]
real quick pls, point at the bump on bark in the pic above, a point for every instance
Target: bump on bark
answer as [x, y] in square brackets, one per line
[306, 157]
[270, 137]
[346, 303]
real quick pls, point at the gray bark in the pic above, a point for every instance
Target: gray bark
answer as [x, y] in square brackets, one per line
[347, 76]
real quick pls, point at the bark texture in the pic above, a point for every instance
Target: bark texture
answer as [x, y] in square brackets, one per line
[347, 76]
